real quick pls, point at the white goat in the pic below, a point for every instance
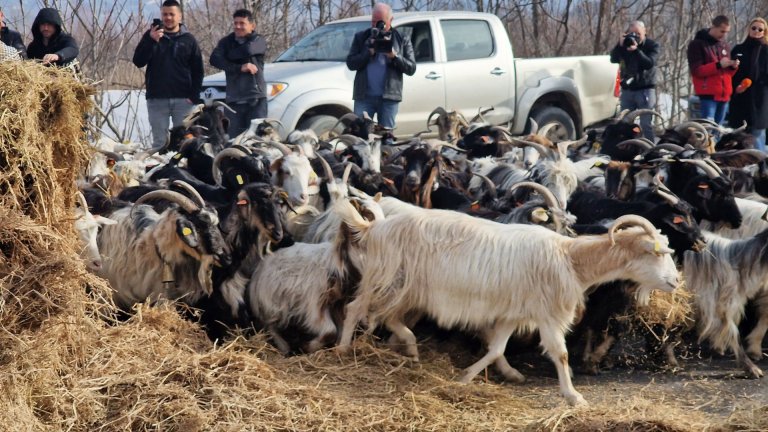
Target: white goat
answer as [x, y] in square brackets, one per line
[87, 226]
[458, 270]
[301, 285]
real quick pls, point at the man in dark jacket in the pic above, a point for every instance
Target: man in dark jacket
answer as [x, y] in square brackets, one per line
[49, 43]
[712, 68]
[174, 72]
[241, 56]
[637, 55]
[10, 37]
[378, 85]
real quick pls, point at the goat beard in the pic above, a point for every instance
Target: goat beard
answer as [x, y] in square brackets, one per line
[643, 295]
[204, 273]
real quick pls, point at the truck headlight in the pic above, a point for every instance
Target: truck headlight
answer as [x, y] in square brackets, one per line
[275, 88]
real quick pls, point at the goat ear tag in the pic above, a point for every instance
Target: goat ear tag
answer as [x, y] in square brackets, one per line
[177, 156]
[677, 220]
[186, 231]
[636, 129]
[475, 205]
[703, 186]
[239, 179]
[188, 136]
[657, 247]
[540, 214]
[242, 202]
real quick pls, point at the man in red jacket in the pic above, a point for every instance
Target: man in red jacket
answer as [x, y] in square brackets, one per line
[712, 68]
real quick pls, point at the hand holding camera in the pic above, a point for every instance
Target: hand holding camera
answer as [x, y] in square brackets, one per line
[380, 40]
[630, 41]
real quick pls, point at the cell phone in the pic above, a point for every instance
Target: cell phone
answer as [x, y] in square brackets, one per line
[157, 22]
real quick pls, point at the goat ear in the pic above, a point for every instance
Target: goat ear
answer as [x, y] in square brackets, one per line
[276, 165]
[656, 247]
[187, 233]
[104, 220]
[377, 198]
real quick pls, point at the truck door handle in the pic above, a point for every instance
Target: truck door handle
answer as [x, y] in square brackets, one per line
[433, 76]
[498, 71]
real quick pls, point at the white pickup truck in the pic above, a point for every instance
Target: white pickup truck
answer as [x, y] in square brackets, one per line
[464, 61]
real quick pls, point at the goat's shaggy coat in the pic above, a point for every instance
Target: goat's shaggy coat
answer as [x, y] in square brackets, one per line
[493, 278]
[724, 278]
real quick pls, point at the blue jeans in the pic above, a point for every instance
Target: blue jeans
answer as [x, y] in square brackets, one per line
[759, 135]
[640, 99]
[385, 110]
[160, 110]
[713, 110]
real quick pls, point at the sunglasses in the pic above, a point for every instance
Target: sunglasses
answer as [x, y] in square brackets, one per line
[760, 29]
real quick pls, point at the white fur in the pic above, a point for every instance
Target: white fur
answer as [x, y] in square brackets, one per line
[497, 279]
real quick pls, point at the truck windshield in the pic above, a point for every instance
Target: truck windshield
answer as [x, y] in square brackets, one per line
[330, 42]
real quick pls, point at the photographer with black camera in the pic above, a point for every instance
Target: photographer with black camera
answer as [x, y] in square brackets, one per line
[381, 56]
[637, 55]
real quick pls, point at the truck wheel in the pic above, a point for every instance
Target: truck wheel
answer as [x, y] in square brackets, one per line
[563, 124]
[322, 125]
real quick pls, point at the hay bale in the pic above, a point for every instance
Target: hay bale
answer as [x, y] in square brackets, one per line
[42, 141]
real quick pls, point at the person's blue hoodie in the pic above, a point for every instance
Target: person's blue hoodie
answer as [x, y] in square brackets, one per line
[60, 43]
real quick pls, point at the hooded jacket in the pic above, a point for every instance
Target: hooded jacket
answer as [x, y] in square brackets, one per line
[404, 63]
[709, 79]
[751, 105]
[13, 39]
[174, 65]
[638, 67]
[60, 44]
[230, 55]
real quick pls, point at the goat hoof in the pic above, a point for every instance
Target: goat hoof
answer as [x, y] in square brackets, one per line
[755, 355]
[754, 371]
[465, 378]
[343, 349]
[576, 399]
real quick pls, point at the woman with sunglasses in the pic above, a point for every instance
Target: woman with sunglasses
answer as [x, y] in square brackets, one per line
[750, 97]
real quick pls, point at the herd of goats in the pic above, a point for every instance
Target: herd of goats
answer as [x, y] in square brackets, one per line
[478, 230]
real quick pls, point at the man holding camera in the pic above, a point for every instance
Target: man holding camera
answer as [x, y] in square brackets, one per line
[712, 69]
[174, 73]
[241, 56]
[381, 56]
[637, 55]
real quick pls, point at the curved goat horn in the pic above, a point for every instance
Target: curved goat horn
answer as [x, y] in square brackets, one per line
[628, 221]
[534, 126]
[81, 200]
[549, 198]
[637, 143]
[440, 111]
[282, 147]
[632, 115]
[328, 171]
[711, 172]
[193, 193]
[223, 105]
[544, 151]
[489, 183]
[174, 197]
[348, 116]
[234, 153]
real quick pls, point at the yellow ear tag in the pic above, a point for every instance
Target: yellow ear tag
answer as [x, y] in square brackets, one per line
[239, 179]
[312, 176]
[177, 156]
[657, 247]
[475, 205]
[597, 164]
[186, 231]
